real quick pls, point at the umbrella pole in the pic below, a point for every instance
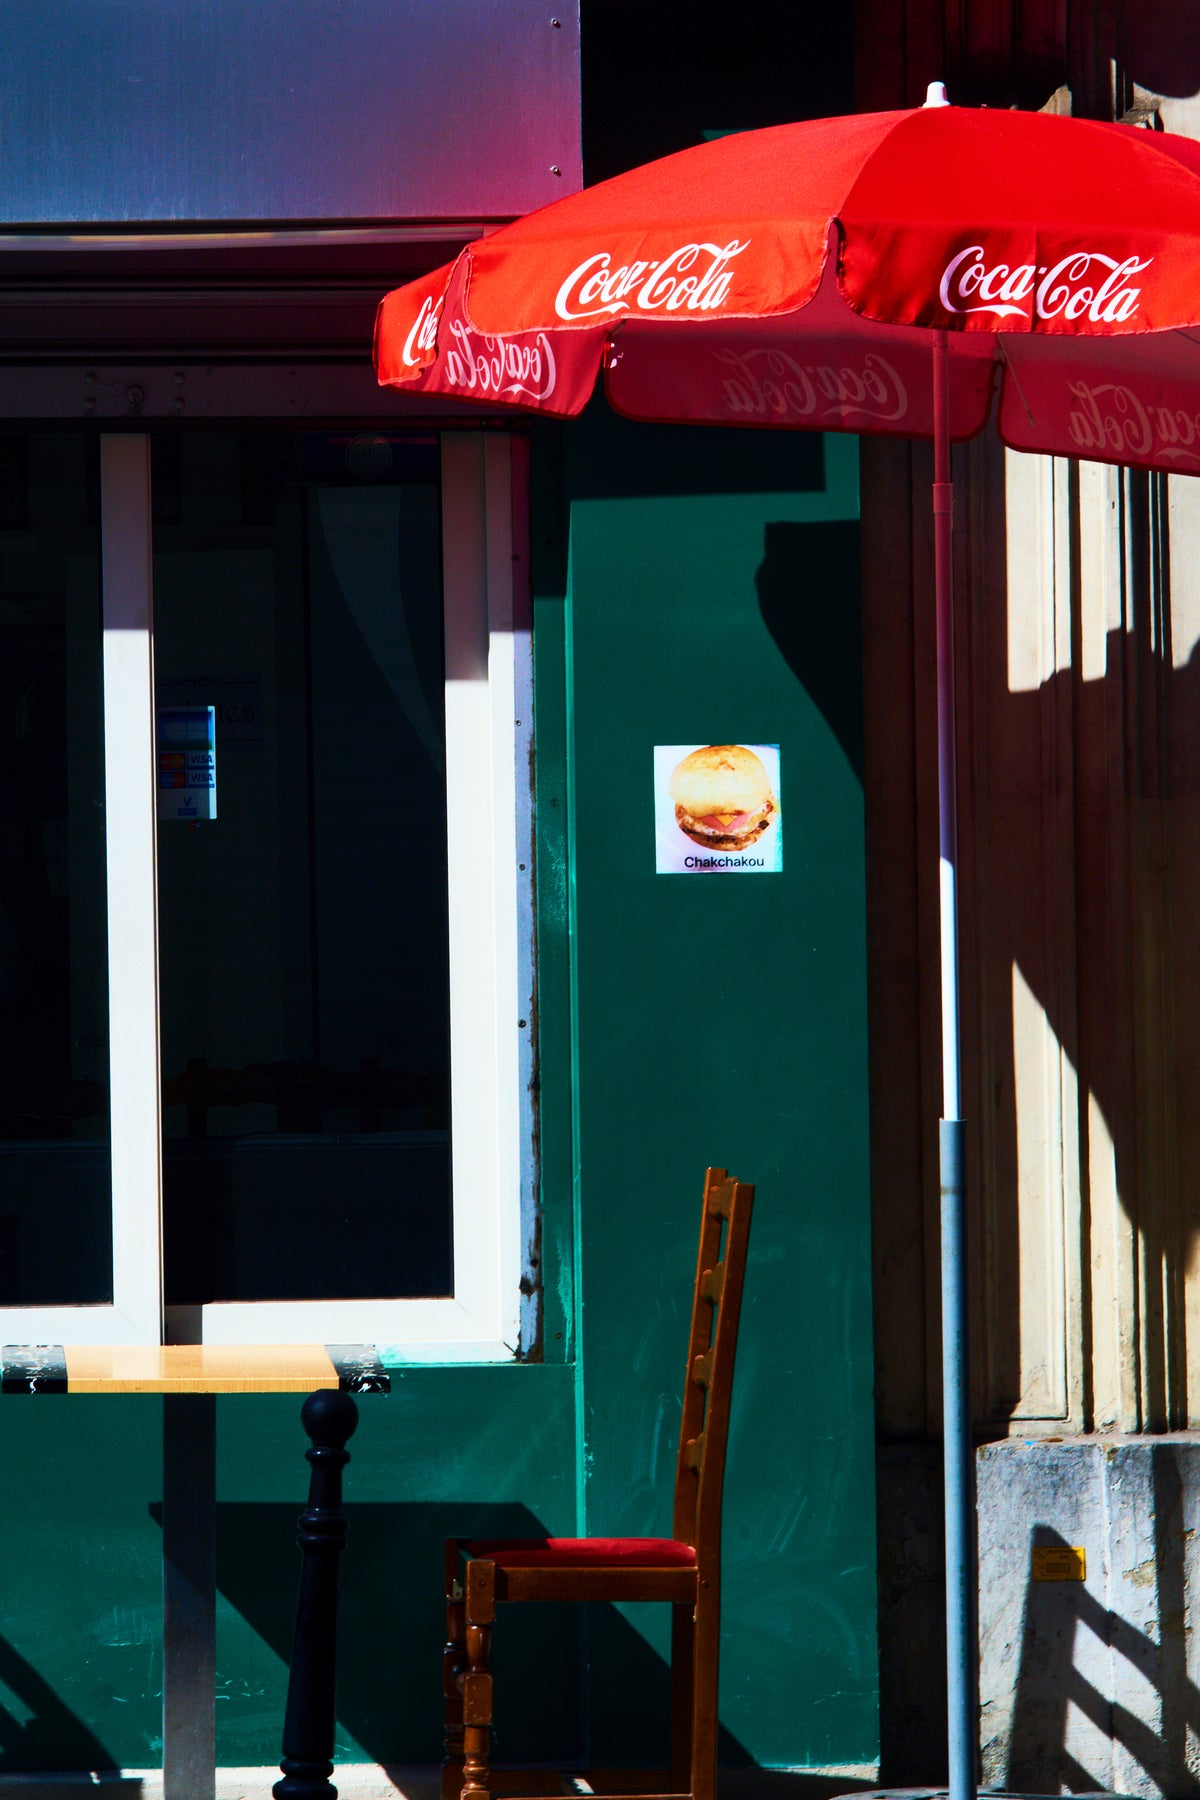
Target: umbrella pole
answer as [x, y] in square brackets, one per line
[962, 1673]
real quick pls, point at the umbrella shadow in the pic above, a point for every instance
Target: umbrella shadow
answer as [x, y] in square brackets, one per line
[1080, 851]
[1076, 785]
[1081, 807]
[803, 565]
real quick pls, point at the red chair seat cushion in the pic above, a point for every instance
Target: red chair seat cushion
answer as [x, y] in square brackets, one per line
[584, 1553]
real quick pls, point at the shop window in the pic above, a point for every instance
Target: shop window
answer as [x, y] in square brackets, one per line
[264, 1052]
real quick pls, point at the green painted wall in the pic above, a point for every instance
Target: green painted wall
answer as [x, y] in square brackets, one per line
[467, 1450]
[713, 597]
[689, 586]
[80, 1583]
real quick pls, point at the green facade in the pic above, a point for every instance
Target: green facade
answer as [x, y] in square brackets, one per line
[689, 587]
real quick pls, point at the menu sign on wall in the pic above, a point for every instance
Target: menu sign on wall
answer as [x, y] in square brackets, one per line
[716, 809]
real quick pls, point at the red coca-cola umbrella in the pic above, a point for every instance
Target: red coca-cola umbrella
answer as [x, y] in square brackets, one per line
[887, 272]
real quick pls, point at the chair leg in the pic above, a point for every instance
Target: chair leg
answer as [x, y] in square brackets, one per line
[683, 1682]
[706, 1650]
[454, 1667]
[477, 1681]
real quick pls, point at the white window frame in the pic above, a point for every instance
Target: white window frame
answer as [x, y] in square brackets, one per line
[488, 719]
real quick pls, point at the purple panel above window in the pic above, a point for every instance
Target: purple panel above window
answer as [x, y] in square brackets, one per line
[286, 111]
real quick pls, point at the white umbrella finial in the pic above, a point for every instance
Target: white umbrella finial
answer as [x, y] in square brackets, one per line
[935, 94]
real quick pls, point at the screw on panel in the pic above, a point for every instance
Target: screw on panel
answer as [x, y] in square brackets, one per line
[554, 169]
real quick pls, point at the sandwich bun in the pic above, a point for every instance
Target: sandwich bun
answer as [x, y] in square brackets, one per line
[723, 798]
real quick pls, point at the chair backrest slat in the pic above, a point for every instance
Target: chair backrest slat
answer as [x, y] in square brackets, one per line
[713, 1281]
[716, 1305]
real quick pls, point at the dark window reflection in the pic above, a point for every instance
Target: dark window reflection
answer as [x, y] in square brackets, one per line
[303, 945]
[55, 1169]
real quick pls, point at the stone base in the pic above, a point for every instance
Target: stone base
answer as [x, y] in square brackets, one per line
[1089, 1669]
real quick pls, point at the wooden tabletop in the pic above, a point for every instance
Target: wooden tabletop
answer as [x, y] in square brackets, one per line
[190, 1369]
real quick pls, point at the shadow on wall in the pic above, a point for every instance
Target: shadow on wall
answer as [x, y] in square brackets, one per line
[652, 83]
[1161, 49]
[1140, 1709]
[1079, 810]
[1011, 62]
[1136, 871]
[809, 583]
[37, 1731]
[1121, 749]
[391, 1583]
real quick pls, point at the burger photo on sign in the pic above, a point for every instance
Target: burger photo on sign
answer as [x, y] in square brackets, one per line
[717, 808]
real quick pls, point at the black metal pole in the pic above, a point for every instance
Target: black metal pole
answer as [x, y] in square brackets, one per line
[329, 1418]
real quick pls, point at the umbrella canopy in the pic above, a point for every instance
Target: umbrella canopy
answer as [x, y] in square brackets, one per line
[790, 277]
[885, 273]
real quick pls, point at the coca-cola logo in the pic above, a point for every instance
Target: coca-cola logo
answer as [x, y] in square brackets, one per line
[1072, 288]
[774, 384]
[1110, 420]
[499, 366]
[480, 364]
[695, 278]
[421, 341]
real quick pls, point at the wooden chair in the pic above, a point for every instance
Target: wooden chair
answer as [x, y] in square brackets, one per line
[683, 1570]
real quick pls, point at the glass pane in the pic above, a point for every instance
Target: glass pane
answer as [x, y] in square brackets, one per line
[55, 1166]
[302, 867]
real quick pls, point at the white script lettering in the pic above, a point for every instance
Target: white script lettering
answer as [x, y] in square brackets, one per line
[774, 384]
[695, 277]
[1111, 420]
[422, 336]
[1075, 286]
[500, 365]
